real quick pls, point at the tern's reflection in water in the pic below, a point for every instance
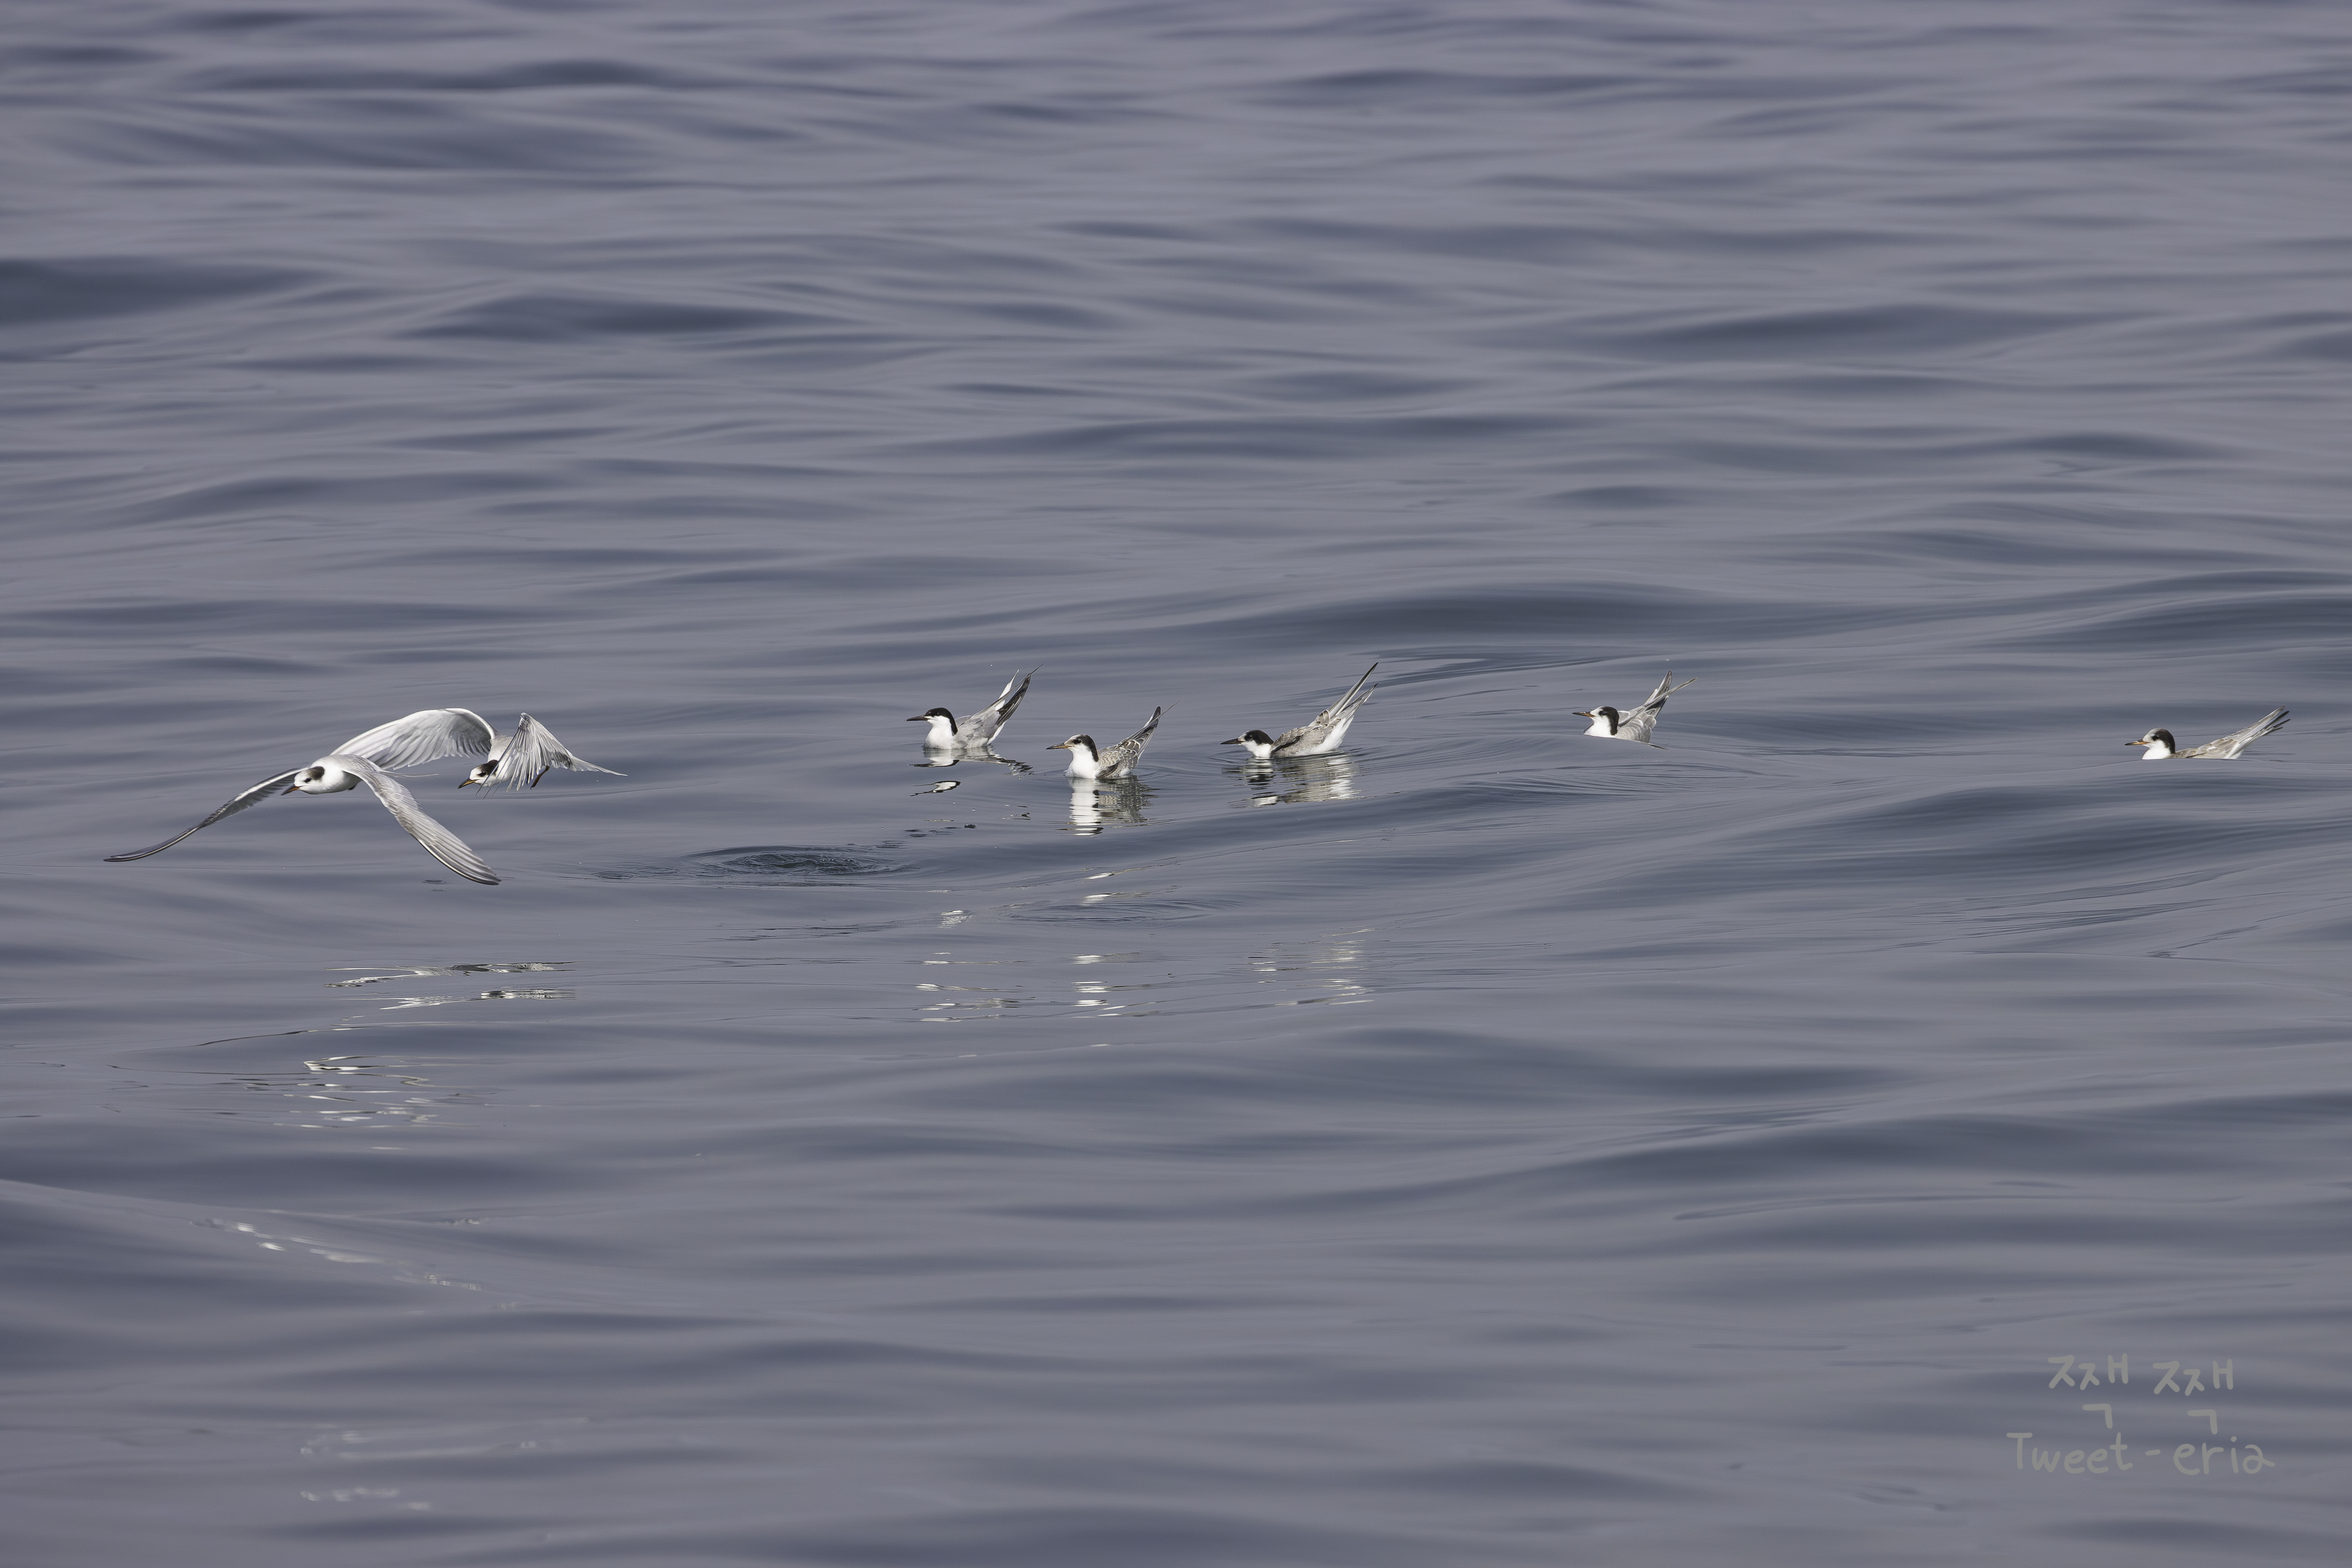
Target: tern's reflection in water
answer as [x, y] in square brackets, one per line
[421, 971]
[1094, 801]
[948, 755]
[1292, 780]
[377, 1084]
[424, 971]
[1334, 970]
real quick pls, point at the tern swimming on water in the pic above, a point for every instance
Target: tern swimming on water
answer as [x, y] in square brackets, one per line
[982, 726]
[2161, 744]
[1319, 735]
[333, 774]
[1087, 762]
[1634, 724]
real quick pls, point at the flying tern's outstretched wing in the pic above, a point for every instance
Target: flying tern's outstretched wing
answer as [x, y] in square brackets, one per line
[253, 797]
[439, 842]
[427, 735]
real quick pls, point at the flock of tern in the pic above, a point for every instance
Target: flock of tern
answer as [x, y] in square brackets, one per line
[520, 759]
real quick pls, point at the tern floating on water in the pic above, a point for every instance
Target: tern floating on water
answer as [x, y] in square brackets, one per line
[1634, 724]
[1319, 735]
[982, 728]
[1119, 762]
[2161, 744]
[347, 768]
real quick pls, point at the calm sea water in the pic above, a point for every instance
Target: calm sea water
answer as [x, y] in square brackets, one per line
[1484, 1145]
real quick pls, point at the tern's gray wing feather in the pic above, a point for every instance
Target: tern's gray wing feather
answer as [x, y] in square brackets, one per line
[1328, 728]
[1638, 723]
[1119, 759]
[531, 750]
[439, 842]
[1134, 744]
[2232, 744]
[427, 735]
[253, 797]
[1665, 688]
[982, 728]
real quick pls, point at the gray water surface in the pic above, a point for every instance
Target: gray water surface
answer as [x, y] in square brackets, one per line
[1483, 1146]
